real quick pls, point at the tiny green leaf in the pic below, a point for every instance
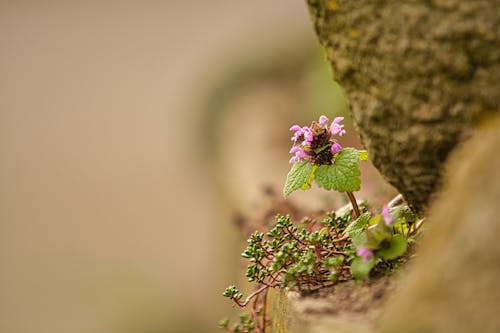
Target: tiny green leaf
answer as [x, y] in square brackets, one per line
[342, 175]
[224, 323]
[357, 226]
[297, 177]
[396, 249]
[332, 276]
[359, 269]
[362, 155]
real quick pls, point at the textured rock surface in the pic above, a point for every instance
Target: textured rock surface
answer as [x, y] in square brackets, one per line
[417, 74]
[453, 285]
[344, 308]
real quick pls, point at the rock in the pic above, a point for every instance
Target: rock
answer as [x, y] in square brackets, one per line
[453, 284]
[348, 307]
[418, 75]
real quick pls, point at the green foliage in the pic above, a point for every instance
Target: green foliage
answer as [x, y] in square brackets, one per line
[344, 172]
[302, 256]
[233, 293]
[357, 226]
[395, 249]
[342, 175]
[299, 175]
[319, 253]
[359, 269]
[363, 155]
[385, 240]
[245, 324]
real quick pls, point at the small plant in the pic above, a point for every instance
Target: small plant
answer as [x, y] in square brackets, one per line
[318, 157]
[340, 246]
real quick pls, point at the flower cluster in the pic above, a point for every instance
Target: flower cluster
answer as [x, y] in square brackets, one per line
[316, 143]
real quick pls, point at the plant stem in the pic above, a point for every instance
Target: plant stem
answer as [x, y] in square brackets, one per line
[264, 308]
[252, 295]
[354, 204]
[416, 226]
[397, 200]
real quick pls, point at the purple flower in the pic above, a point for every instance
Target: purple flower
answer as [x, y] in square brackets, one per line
[299, 154]
[298, 132]
[335, 148]
[322, 120]
[308, 136]
[385, 215]
[336, 128]
[303, 133]
[309, 141]
[365, 254]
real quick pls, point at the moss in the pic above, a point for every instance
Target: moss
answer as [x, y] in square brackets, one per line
[278, 308]
[417, 75]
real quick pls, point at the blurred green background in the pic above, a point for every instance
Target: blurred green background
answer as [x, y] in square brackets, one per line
[131, 133]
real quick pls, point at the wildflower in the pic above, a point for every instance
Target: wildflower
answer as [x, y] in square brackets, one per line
[365, 254]
[335, 148]
[308, 136]
[322, 120]
[299, 154]
[385, 215]
[311, 143]
[301, 133]
[298, 132]
[336, 128]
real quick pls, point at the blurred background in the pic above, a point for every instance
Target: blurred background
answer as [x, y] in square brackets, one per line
[132, 135]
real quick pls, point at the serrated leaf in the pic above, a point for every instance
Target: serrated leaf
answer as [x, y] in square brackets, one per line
[396, 249]
[357, 226]
[359, 269]
[324, 177]
[404, 214]
[342, 175]
[297, 177]
[359, 240]
[362, 155]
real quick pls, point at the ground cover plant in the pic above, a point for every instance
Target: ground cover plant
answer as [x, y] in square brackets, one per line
[311, 254]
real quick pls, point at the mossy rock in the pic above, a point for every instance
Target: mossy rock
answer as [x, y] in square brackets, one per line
[348, 307]
[418, 75]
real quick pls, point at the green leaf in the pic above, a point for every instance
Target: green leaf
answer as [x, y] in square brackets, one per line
[362, 155]
[396, 249]
[342, 175]
[359, 269]
[359, 240]
[297, 177]
[224, 323]
[324, 177]
[357, 226]
[404, 214]
[377, 232]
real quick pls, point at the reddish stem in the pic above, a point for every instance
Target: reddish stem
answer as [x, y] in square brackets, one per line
[354, 204]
